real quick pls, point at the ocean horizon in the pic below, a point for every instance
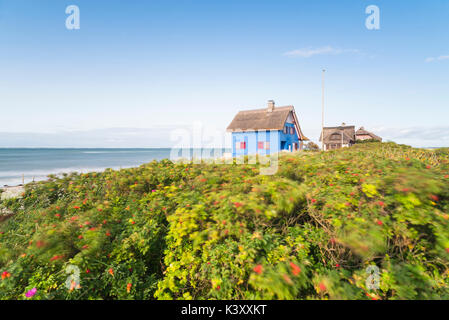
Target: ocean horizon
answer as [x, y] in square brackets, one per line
[24, 165]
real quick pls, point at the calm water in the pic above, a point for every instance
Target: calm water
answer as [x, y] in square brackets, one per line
[38, 163]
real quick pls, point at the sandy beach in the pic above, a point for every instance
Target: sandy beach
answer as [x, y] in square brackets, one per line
[11, 192]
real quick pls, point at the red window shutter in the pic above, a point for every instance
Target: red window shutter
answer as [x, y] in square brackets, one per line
[242, 145]
[260, 145]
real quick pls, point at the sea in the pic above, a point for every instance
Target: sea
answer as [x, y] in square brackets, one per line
[24, 165]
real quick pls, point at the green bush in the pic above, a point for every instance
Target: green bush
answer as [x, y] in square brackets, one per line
[210, 231]
[367, 141]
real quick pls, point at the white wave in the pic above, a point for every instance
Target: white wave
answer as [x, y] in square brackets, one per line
[15, 177]
[120, 151]
[44, 172]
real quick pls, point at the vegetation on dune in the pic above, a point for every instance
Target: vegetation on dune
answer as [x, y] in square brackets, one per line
[210, 231]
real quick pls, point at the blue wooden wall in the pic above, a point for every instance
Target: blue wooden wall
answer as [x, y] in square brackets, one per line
[286, 140]
[278, 141]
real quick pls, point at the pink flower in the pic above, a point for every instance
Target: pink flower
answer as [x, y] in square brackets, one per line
[5, 275]
[31, 293]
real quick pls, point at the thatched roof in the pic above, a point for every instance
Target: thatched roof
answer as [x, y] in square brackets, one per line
[363, 132]
[260, 119]
[333, 134]
[264, 119]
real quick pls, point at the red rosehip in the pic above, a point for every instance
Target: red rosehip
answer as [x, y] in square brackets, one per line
[434, 197]
[295, 269]
[322, 286]
[258, 269]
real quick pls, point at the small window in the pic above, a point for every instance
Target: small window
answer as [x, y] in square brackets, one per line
[285, 130]
[292, 131]
[237, 145]
[267, 145]
[260, 145]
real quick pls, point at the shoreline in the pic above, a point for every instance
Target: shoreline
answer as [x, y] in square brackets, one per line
[28, 165]
[37, 175]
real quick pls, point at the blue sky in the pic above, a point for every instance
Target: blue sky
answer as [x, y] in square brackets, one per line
[136, 69]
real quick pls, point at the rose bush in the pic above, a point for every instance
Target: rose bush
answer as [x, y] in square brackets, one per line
[207, 231]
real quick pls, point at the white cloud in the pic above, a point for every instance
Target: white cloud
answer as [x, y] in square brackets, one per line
[437, 136]
[440, 58]
[309, 52]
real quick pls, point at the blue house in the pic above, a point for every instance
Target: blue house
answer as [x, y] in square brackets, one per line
[265, 131]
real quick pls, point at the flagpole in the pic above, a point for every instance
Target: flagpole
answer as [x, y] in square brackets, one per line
[322, 110]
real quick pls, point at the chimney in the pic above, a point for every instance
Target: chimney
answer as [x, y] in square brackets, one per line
[270, 106]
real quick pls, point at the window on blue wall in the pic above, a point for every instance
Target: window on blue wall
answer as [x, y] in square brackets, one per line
[242, 145]
[260, 145]
[292, 131]
[285, 130]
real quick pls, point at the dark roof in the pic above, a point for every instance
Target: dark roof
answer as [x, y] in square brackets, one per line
[333, 134]
[262, 119]
[363, 132]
